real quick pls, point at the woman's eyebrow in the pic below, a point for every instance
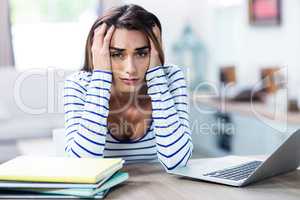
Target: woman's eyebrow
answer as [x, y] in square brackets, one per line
[142, 48]
[117, 49]
[136, 49]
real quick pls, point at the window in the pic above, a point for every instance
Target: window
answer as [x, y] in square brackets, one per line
[51, 33]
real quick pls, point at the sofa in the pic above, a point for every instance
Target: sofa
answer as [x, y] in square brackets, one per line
[31, 106]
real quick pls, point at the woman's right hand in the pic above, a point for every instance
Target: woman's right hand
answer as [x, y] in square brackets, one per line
[100, 47]
[154, 55]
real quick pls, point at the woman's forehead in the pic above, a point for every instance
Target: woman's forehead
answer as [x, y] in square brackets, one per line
[128, 39]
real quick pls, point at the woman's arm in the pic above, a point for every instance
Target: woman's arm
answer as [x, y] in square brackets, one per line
[86, 111]
[170, 114]
[86, 104]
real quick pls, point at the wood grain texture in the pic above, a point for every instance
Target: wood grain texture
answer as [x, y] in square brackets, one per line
[150, 181]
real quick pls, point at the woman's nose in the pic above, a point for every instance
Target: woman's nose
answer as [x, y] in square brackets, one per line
[130, 66]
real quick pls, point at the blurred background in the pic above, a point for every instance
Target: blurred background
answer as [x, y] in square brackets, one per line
[241, 60]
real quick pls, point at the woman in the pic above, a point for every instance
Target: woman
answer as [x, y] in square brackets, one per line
[125, 102]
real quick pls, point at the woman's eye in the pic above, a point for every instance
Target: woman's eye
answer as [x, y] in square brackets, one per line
[116, 55]
[142, 54]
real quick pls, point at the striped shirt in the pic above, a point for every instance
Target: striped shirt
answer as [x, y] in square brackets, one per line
[168, 138]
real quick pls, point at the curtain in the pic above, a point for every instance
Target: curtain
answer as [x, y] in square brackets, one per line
[6, 50]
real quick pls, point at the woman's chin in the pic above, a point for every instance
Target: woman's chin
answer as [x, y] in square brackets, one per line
[129, 89]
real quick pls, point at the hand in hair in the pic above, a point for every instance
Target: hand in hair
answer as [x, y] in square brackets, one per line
[154, 56]
[100, 47]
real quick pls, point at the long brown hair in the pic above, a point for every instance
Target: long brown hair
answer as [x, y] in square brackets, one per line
[131, 17]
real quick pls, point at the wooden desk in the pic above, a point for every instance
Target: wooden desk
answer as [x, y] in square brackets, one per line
[150, 181]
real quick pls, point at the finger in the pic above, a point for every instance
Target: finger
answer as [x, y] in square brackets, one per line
[152, 44]
[102, 26]
[99, 35]
[153, 47]
[100, 29]
[108, 36]
[157, 33]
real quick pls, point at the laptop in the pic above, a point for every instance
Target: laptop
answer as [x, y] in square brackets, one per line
[240, 171]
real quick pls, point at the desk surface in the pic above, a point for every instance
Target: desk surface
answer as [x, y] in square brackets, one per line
[149, 181]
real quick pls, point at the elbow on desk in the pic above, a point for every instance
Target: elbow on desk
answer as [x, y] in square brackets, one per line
[174, 161]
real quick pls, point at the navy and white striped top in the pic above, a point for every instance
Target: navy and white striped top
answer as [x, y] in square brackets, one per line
[168, 138]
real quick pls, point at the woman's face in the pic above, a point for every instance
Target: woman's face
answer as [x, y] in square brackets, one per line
[130, 57]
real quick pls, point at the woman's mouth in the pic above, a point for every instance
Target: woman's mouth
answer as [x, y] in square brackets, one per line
[129, 81]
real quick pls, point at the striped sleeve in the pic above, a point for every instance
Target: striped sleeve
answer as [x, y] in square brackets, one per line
[86, 107]
[170, 115]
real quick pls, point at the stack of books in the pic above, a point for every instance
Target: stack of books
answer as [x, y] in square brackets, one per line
[59, 177]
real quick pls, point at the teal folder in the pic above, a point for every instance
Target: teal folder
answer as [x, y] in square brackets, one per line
[116, 179]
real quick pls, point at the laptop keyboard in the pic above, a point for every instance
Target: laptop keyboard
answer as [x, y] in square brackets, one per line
[236, 173]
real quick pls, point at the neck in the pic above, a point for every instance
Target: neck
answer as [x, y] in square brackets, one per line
[123, 98]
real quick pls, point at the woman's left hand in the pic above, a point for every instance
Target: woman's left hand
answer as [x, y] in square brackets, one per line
[154, 55]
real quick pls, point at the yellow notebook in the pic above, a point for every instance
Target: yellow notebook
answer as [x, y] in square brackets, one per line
[58, 169]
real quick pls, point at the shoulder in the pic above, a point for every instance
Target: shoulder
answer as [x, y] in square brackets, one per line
[174, 73]
[78, 79]
[79, 76]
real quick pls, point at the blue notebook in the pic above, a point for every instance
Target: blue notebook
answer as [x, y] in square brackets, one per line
[32, 195]
[116, 179]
